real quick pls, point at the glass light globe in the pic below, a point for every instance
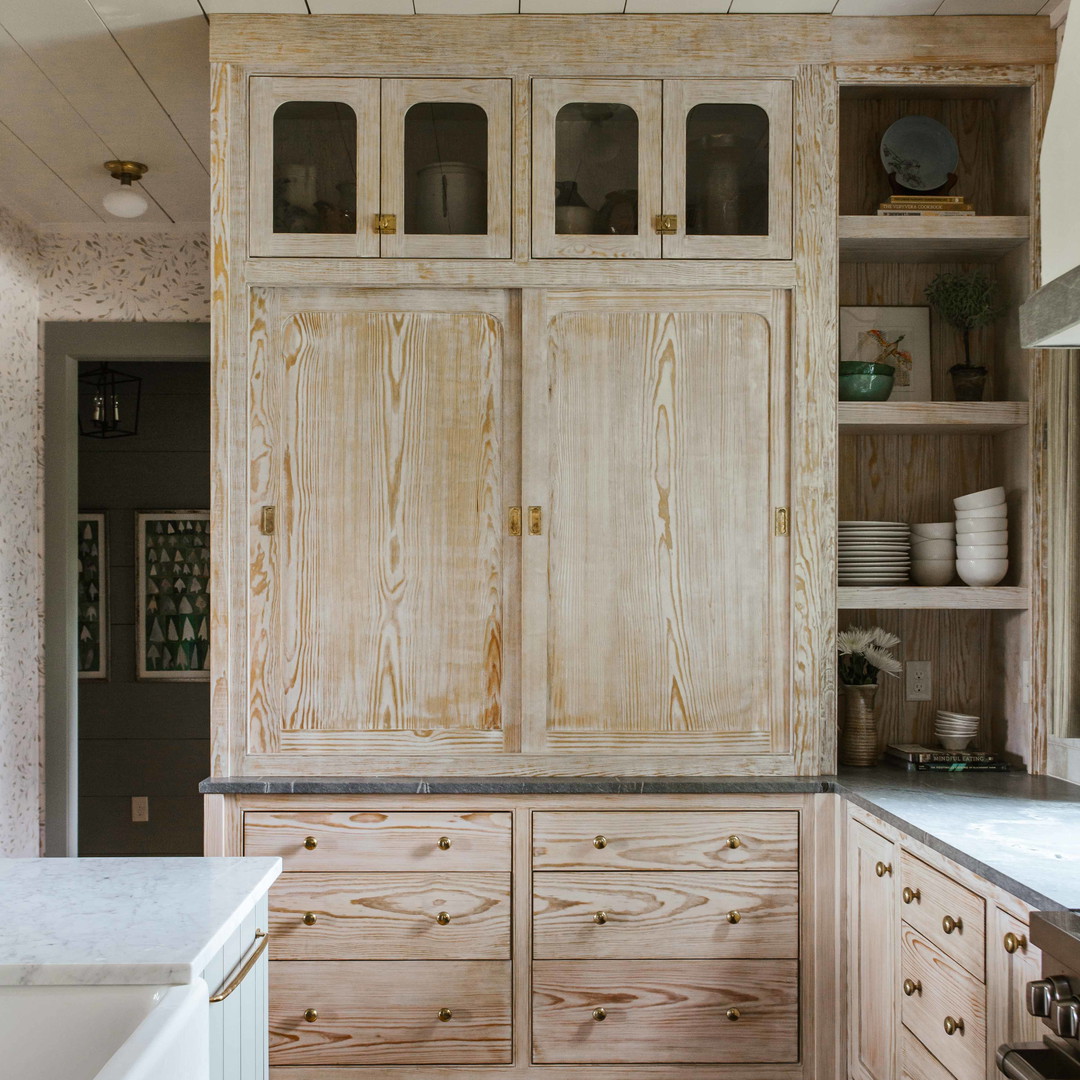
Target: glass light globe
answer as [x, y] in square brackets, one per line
[125, 203]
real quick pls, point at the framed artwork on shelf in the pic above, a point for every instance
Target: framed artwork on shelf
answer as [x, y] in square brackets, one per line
[898, 336]
[172, 595]
[93, 625]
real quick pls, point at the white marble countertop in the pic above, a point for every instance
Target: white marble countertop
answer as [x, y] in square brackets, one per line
[108, 921]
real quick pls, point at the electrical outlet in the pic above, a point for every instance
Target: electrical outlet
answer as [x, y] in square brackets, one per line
[140, 808]
[917, 680]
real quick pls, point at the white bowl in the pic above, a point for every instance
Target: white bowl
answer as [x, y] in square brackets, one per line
[986, 497]
[982, 572]
[1001, 510]
[933, 571]
[987, 539]
[934, 530]
[947, 715]
[980, 525]
[982, 551]
[933, 549]
[954, 742]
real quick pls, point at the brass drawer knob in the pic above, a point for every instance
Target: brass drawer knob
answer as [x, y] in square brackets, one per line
[1014, 942]
[734, 916]
[734, 842]
[910, 895]
[953, 1026]
[912, 987]
[949, 924]
[600, 918]
[446, 1015]
[733, 1014]
[443, 918]
[599, 842]
[310, 918]
[311, 1015]
[599, 1013]
[310, 843]
[444, 843]
[881, 869]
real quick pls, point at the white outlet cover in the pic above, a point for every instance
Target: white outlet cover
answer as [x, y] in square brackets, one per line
[917, 685]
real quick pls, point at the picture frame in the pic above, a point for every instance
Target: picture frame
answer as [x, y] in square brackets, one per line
[172, 595]
[92, 584]
[862, 331]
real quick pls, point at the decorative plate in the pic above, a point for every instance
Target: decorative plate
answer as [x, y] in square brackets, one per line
[920, 151]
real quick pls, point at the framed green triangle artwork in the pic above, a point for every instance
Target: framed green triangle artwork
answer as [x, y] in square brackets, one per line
[173, 595]
[93, 619]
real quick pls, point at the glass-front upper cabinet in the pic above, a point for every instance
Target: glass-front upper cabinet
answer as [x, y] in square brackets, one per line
[596, 168]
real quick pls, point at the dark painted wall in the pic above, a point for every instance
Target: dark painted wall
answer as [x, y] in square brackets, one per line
[144, 738]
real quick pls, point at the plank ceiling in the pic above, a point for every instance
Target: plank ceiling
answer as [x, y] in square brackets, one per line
[82, 81]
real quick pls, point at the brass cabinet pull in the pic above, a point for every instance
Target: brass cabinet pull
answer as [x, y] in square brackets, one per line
[444, 843]
[780, 521]
[910, 895]
[261, 940]
[881, 869]
[600, 918]
[536, 520]
[513, 521]
[599, 842]
[443, 918]
[734, 841]
[912, 987]
[949, 924]
[734, 916]
[1014, 942]
[446, 1015]
[311, 1015]
[386, 224]
[599, 1013]
[953, 1026]
[310, 843]
[268, 520]
[733, 1014]
[310, 918]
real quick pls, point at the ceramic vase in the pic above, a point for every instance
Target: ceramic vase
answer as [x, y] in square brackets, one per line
[858, 727]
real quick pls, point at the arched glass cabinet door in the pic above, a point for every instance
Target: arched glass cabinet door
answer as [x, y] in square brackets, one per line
[727, 168]
[446, 168]
[596, 168]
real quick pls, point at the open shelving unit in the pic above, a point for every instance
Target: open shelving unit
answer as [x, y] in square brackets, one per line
[932, 417]
[913, 239]
[921, 598]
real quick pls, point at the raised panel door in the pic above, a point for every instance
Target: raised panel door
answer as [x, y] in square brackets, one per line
[1011, 963]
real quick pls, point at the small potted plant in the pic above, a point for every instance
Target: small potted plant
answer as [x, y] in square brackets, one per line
[968, 302]
[863, 654]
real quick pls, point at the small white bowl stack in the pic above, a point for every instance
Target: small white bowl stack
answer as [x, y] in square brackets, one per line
[955, 731]
[933, 552]
[874, 553]
[982, 537]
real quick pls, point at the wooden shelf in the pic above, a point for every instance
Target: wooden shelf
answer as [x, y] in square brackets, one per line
[869, 238]
[931, 417]
[999, 598]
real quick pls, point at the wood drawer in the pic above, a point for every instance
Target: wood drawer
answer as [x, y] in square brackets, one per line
[935, 899]
[947, 990]
[917, 1063]
[368, 840]
[390, 917]
[386, 1013]
[666, 915]
[666, 840]
[665, 1011]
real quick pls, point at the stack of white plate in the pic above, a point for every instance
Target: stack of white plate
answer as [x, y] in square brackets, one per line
[933, 552]
[982, 537]
[955, 730]
[874, 553]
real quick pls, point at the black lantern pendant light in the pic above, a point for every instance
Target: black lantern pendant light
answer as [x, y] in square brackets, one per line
[108, 403]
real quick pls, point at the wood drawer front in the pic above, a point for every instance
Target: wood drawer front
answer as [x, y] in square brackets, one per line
[938, 898]
[390, 917]
[947, 991]
[666, 840]
[665, 1011]
[386, 1013]
[368, 840]
[666, 915]
[917, 1063]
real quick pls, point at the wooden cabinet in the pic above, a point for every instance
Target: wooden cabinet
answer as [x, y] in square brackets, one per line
[1011, 963]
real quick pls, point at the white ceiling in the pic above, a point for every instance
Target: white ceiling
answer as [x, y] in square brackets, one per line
[82, 81]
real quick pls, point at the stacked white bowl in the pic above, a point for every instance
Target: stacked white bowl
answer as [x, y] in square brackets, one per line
[955, 730]
[933, 553]
[982, 537]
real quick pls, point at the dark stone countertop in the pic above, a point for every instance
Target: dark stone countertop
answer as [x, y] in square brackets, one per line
[1019, 832]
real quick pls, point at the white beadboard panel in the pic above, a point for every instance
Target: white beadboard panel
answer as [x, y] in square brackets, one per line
[466, 7]
[168, 41]
[990, 7]
[125, 277]
[22, 568]
[361, 7]
[885, 7]
[79, 56]
[254, 7]
[571, 7]
[30, 186]
[781, 7]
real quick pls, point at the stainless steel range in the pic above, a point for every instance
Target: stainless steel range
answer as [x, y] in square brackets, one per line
[1056, 998]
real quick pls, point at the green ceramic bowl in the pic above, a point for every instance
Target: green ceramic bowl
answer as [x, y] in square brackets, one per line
[865, 382]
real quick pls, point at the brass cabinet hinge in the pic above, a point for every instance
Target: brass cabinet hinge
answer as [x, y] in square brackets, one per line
[780, 521]
[386, 224]
[667, 224]
[267, 520]
[514, 520]
[535, 520]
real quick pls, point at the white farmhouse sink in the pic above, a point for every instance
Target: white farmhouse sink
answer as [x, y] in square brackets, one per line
[105, 1032]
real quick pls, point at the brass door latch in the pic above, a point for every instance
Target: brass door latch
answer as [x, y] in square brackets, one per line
[386, 224]
[666, 224]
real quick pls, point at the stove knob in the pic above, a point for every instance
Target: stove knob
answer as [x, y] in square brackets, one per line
[1065, 1017]
[1042, 993]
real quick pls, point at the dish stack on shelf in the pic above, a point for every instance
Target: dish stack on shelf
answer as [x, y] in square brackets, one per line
[955, 731]
[933, 553]
[874, 553]
[982, 537]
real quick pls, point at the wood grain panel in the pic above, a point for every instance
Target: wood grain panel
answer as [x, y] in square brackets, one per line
[1007, 976]
[379, 916]
[665, 1011]
[917, 1063]
[385, 1013]
[663, 840]
[660, 916]
[370, 839]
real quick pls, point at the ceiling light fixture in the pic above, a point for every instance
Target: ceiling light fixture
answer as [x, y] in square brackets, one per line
[127, 202]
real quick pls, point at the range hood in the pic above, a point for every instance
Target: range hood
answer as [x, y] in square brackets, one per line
[1050, 319]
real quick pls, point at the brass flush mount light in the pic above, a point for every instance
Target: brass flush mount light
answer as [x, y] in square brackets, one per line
[125, 202]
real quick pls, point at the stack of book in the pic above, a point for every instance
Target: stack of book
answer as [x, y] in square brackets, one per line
[926, 206]
[915, 758]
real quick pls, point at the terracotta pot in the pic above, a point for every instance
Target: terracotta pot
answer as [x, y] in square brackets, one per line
[858, 727]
